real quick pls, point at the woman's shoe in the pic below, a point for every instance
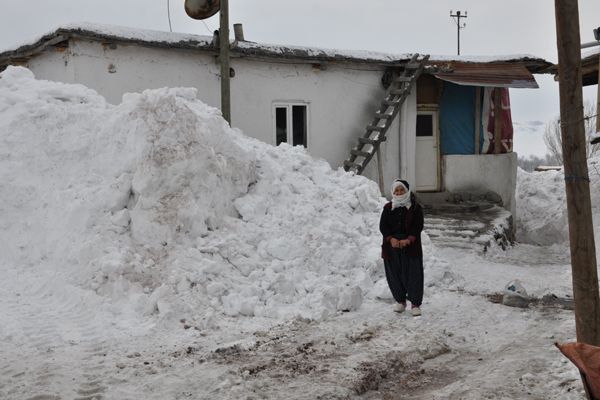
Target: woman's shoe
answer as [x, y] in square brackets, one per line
[415, 311]
[400, 307]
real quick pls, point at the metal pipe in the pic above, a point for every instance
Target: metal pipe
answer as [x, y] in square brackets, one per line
[238, 30]
[590, 44]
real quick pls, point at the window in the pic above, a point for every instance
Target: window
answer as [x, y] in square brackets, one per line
[291, 124]
[424, 125]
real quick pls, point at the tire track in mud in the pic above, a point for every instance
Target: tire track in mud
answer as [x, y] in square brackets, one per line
[56, 325]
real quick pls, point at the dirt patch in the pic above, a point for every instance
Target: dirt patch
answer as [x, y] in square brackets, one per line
[408, 373]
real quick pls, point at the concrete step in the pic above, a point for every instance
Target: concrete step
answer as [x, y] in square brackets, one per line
[470, 229]
[437, 233]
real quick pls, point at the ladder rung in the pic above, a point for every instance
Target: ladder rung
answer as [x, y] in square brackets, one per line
[361, 153]
[403, 79]
[383, 115]
[349, 165]
[412, 65]
[390, 102]
[363, 140]
[376, 128]
[398, 91]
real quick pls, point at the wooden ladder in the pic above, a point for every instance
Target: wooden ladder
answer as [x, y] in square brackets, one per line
[368, 144]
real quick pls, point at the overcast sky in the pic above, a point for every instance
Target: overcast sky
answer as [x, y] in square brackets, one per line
[397, 26]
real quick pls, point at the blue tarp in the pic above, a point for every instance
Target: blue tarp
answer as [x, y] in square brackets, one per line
[457, 119]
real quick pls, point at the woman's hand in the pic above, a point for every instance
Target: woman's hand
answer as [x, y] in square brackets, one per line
[403, 243]
[399, 244]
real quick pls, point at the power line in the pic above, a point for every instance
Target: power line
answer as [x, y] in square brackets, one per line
[207, 27]
[169, 14]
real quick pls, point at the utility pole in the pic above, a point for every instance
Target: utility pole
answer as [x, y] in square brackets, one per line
[597, 37]
[457, 18]
[224, 60]
[202, 9]
[581, 233]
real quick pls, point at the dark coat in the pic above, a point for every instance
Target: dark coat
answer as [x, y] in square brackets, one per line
[402, 224]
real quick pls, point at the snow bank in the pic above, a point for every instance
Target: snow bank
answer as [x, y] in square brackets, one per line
[157, 204]
[542, 205]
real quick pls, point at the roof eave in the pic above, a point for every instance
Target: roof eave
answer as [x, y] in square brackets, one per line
[289, 54]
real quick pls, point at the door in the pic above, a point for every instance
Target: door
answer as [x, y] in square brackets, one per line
[427, 158]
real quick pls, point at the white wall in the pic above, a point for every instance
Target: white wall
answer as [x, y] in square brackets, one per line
[481, 173]
[342, 98]
[53, 65]
[135, 68]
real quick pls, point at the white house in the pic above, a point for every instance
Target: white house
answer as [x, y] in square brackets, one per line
[322, 99]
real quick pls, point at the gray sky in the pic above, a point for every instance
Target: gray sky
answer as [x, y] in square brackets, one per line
[424, 26]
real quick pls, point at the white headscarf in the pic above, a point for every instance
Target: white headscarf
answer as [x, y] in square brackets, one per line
[400, 201]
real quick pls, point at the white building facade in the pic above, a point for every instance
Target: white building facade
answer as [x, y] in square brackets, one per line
[321, 99]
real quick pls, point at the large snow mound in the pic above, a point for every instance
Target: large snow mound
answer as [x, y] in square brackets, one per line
[542, 205]
[157, 204]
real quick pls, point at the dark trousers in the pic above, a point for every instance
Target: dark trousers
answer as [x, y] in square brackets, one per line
[405, 276]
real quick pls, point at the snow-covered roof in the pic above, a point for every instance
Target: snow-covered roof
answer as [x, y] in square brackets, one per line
[589, 66]
[591, 52]
[163, 39]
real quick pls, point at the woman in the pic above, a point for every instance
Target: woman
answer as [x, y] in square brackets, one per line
[401, 225]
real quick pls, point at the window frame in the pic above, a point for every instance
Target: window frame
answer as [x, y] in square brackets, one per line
[288, 105]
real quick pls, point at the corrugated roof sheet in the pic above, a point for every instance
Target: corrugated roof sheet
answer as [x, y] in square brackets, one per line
[489, 74]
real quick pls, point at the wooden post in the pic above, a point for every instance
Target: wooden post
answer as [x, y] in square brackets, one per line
[598, 99]
[224, 60]
[581, 233]
[497, 120]
[477, 119]
[380, 171]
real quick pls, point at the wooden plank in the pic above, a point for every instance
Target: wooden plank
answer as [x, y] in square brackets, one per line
[412, 65]
[477, 119]
[380, 171]
[350, 165]
[598, 98]
[579, 209]
[402, 91]
[360, 153]
[364, 140]
[224, 60]
[381, 115]
[429, 89]
[497, 120]
[376, 128]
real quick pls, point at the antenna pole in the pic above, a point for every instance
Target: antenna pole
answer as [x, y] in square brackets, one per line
[457, 18]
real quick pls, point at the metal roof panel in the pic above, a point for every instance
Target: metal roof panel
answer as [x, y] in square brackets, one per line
[489, 74]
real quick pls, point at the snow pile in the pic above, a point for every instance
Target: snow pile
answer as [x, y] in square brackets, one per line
[159, 207]
[541, 207]
[542, 204]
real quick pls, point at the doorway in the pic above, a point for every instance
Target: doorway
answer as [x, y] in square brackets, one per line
[427, 151]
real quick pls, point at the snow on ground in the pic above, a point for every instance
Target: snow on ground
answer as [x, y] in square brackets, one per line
[542, 214]
[149, 251]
